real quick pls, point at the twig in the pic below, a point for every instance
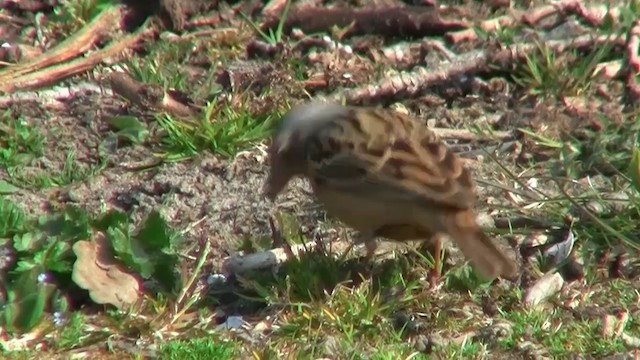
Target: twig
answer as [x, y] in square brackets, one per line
[151, 97]
[464, 134]
[488, 26]
[609, 69]
[274, 8]
[55, 74]
[633, 63]
[74, 46]
[468, 64]
[386, 21]
[54, 98]
[594, 15]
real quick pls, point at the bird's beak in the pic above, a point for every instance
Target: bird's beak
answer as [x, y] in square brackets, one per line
[279, 175]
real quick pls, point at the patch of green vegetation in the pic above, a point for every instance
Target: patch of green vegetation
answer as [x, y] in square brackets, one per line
[70, 173]
[548, 74]
[272, 37]
[72, 332]
[223, 130]
[196, 349]
[162, 65]
[224, 127]
[19, 355]
[20, 143]
[330, 306]
[44, 255]
[165, 62]
[72, 15]
[559, 334]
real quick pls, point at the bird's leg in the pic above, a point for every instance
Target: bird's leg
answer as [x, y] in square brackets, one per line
[435, 245]
[370, 244]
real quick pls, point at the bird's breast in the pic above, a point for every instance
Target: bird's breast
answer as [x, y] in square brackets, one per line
[396, 221]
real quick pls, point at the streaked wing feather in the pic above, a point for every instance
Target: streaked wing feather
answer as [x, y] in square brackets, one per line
[408, 158]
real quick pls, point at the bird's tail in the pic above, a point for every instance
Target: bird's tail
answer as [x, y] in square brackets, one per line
[485, 256]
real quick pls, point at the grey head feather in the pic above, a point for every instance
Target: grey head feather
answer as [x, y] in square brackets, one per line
[304, 120]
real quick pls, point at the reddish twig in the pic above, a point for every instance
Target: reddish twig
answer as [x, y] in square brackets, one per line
[468, 64]
[633, 63]
[594, 15]
[151, 97]
[488, 26]
[388, 22]
[54, 74]
[78, 44]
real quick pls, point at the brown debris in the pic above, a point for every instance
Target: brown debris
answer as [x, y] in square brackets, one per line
[32, 6]
[274, 8]
[178, 11]
[594, 15]
[488, 26]
[633, 64]
[151, 97]
[464, 66]
[18, 52]
[58, 64]
[388, 21]
[51, 99]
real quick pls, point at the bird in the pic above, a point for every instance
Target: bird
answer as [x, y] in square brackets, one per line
[386, 175]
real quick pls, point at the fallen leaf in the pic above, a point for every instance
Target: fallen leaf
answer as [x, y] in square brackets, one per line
[96, 270]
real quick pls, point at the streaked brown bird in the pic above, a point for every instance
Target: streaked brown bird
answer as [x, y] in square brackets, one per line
[386, 175]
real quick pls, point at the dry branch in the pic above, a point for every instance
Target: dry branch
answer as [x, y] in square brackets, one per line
[78, 44]
[633, 63]
[385, 21]
[468, 64]
[592, 14]
[54, 74]
[151, 97]
[488, 26]
[464, 134]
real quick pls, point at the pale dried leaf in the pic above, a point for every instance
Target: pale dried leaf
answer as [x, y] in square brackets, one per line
[96, 270]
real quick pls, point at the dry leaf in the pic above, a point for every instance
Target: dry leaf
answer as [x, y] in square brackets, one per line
[105, 278]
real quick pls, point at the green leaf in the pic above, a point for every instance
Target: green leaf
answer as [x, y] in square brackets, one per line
[125, 122]
[12, 219]
[119, 240]
[154, 235]
[634, 169]
[7, 188]
[464, 278]
[29, 300]
[72, 225]
[59, 302]
[112, 218]
[59, 257]
[22, 159]
[165, 272]
[25, 242]
[24, 265]
[134, 136]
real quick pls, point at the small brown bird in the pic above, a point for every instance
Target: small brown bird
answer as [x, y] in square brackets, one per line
[386, 175]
